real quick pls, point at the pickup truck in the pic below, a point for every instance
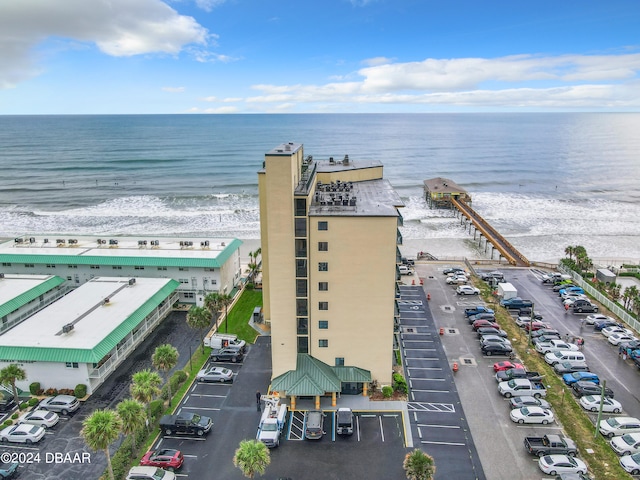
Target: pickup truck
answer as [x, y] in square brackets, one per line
[506, 375]
[518, 387]
[185, 424]
[550, 445]
[476, 310]
[272, 421]
[8, 470]
[516, 303]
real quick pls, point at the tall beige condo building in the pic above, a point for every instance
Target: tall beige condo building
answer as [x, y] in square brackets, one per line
[329, 238]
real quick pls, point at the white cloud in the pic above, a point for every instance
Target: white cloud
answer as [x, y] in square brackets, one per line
[116, 27]
[208, 5]
[372, 62]
[209, 99]
[173, 89]
[567, 81]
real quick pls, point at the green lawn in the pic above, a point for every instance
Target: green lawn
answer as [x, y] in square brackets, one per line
[240, 314]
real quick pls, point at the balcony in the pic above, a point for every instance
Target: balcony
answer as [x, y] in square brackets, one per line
[399, 238]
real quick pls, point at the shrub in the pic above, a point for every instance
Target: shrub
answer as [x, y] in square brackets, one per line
[177, 379]
[80, 391]
[34, 388]
[249, 286]
[15, 416]
[399, 383]
[33, 402]
[51, 391]
[387, 391]
[7, 423]
[156, 408]
[23, 405]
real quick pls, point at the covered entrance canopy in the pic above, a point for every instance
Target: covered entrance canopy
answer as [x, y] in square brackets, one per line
[314, 378]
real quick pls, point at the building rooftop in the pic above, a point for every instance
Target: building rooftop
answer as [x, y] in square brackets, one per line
[443, 185]
[285, 149]
[149, 251]
[17, 290]
[101, 312]
[369, 198]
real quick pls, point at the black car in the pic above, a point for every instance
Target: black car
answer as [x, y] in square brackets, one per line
[491, 331]
[495, 349]
[584, 306]
[481, 316]
[600, 324]
[560, 286]
[447, 271]
[582, 388]
[226, 355]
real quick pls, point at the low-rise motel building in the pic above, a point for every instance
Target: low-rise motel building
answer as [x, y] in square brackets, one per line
[200, 265]
[82, 337]
[329, 239]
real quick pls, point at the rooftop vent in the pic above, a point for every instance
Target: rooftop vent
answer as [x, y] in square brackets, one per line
[106, 301]
[67, 328]
[132, 281]
[346, 160]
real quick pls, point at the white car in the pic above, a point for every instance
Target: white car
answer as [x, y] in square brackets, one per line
[494, 339]
[627, 444]
[40, 417]
[618, 338]
[24, 433]
[150, 473]
[631, 463]
[596, 317]
[592, 403]
[456, 279]
[532, 415]
[467, 290]
[555, 346]
[607, 331]
[215, 374]
[556, 464]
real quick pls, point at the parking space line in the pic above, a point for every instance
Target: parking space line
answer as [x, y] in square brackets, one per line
[430, 391]
[420, 358]
[444, 443]
[381, 429]
[201, 408]
[425, 368]
[358, 427]
[422, 349]
[207, 395]
[438, 426]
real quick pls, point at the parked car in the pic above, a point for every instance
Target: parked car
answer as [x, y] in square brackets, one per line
[626, 444]
[314, 425]
[570, 367]
[527, 401]
[561, 286]
[150, 473]
[619, 426]
[533, 326]
[554, 464]
[571, 378]
[476, 310]
[491, 331]
[8, 470]
[482, 316]
[532, 415]
[64, 404]
[547, 332]
[592, 403]
[584, 306]
[570, 289]
[505, 365]
[495, 275]
[166, 458]
[618, 338]
[456, 280]
[631, 463]
[467, 290]
[449, 270]
[596, 317]
[484, 323]
[344, 421]
[516, 303]
[40, 417]
[23, 433]
[554, 346]
[496, 349]
[226, 355]
[600, 324]
[590, 388]
[608, 331]
[489, 339]
[215, 374]
[506, 375]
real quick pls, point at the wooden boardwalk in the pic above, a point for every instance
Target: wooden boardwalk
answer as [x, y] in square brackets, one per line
[508, 251]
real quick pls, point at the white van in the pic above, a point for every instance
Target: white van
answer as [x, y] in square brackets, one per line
[405, 270]
[619, 426]
[564, 356]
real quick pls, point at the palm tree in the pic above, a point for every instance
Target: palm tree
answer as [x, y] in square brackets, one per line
[132, 414]
[165, 358]
[419, 466]
[569, 252]
[251, 457]
[199, 318]
[631, 293]
[100, 430]
[212, 302]
[225, 300]
[145, 386]
[11, 374]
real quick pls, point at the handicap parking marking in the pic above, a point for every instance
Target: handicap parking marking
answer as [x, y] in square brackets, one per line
[431, 407]
[296, 425]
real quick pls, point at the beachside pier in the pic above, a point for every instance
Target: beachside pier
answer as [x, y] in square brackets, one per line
[444, 193]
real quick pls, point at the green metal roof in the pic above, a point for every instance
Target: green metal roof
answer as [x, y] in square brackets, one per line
[313, 377]
[154, 261]
[19, 301]
[91, 355]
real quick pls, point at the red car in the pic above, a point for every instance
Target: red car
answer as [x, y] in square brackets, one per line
[535, 326]
[506, 365]
[484, 323]
[164, 458]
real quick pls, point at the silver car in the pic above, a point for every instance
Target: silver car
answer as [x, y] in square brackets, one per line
[215, 374]
[40, 417]
[63, 404]
[22, 434]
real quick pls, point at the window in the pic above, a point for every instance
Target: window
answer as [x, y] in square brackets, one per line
[301, 227]
[183, 269]
[301, 307]
[138, 268]
[323, 266]
[71, 364]
[94, 267]
[323, 305]
[301, 207]
[301, 268]
[28, 265]
[303, 326]
[72, 266]
[117, 267]
[214, 282]
[339, 361]
[303, 344]
[323, 225]
[163, 268]
[323, 246]
[323, 286]
[323, 324]
[323, 343]
[69, 278]
[184, 281]
[301, 287]
[301, 247]
[50, 265]
[5, 264]
[189, 295]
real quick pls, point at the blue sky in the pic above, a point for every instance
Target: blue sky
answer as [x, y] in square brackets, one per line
[307, 56]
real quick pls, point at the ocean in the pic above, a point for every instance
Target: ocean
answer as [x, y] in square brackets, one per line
[544, 180]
